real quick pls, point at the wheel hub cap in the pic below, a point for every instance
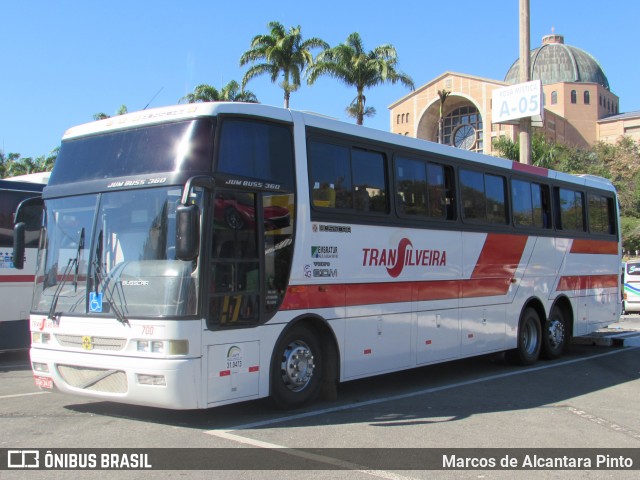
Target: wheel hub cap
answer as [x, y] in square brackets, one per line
[297, 366]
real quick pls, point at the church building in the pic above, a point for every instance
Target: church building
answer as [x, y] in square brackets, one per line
[579, 107]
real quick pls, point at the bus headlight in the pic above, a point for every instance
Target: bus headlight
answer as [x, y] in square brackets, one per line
[163, 347]
[40, 337]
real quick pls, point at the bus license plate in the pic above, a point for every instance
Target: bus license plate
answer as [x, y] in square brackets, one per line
[43, 382]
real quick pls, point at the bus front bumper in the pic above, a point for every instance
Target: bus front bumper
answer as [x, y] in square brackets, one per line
[157, 382]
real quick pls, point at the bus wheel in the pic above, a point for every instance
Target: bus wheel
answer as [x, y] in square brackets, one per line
[529, 336]
[554, 335]
[296, 372]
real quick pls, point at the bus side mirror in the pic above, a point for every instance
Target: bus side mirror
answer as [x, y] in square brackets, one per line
[187, 232]
[18, 245]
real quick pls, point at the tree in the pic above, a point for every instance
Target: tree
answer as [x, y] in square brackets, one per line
[507, 148]
[443, 94]
[351, 64]
[353, 111]
[102, 116]
[545, 154]
[229, 93]
[13, 164]
[202, 93]
[233, 92]
[280, 53]
[45, 163]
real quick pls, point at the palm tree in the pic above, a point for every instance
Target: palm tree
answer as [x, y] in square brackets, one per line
[202, 93]
[280, 53]
[352, 110]
[350, 63]
[45, 163]
[443, 94]
[14, 164]
[231, 92]
[102, 116]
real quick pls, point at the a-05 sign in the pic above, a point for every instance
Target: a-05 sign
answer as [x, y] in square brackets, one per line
[518, 101]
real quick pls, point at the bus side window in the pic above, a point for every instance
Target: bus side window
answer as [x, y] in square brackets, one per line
[450, 194]
[330, 175]
[570, 210]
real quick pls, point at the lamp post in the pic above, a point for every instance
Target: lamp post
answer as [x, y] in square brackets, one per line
[525, 76]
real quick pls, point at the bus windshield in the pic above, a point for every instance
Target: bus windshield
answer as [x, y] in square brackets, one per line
[114, 254]
[181, 146]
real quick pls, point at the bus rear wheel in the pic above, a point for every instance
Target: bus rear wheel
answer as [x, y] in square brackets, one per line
[554, 335]
[529, 339]
[297, 368]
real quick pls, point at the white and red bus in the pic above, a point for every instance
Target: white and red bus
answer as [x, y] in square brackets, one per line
[16, 287]
[206, 254]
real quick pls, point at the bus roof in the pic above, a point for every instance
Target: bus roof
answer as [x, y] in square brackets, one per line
[39, 177]
[195, 110]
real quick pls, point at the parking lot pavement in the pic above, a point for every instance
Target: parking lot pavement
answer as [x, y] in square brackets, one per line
[627, 322]
[623, 333]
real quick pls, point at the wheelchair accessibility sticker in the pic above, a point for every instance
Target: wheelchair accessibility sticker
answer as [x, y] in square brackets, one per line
[95, 302]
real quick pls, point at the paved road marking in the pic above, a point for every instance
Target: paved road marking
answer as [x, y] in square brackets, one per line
[605, 423]
[23, 395]
[404, 396]
[339, 464]
[228, 434]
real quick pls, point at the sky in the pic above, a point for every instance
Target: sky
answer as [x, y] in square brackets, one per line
[62, 61]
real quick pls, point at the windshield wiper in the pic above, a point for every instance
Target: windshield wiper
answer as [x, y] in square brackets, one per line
[80, 248]
[99, 279]
[73, 262]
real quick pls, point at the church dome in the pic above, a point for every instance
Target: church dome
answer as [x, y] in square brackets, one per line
[556, 62]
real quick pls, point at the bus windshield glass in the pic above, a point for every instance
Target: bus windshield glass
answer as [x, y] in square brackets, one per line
[114, 254]
[180, 146]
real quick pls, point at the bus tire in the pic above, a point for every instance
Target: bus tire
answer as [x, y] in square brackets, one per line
[297, 368]
[554, 335]
[529, 339]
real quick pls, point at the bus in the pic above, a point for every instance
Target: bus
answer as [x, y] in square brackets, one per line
[16, 288]
[631, 286]
[205, 254]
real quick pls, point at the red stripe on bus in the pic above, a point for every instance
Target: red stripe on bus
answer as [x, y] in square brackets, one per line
[495, 267]
[351, 295]
[485, 287]
[500, 255]
[587, 282]
[603, 247]
[521, 167]
[17, 278]
[437, 290]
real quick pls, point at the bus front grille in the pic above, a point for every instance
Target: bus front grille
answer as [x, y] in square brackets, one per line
[95, 379]
[97, 343]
